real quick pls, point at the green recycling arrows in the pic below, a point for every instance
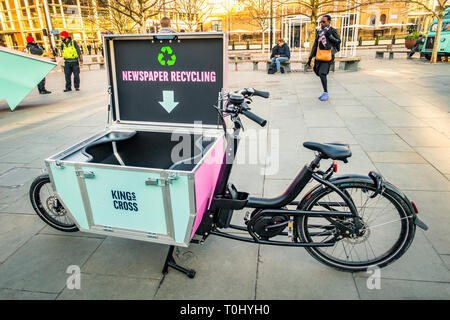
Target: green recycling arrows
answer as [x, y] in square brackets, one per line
[167, 50]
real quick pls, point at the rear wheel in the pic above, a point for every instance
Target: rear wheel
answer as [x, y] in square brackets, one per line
[48, 207]
[386, 233]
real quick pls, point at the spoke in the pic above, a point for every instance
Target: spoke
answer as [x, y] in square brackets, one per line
[371, 248]
[382, 224]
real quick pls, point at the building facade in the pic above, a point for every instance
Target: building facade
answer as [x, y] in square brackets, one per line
[45, 19]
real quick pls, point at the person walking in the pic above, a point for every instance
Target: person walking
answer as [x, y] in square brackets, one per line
[165, 26]
[280, 53]
[326, 44]
[2, 43]
[37, 50]
[95, 48]
[417, 46]
[72, 59]
[89, 48]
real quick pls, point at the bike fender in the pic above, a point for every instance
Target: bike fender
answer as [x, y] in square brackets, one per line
[385, 184]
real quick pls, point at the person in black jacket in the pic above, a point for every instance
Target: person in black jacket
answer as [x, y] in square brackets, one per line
[72, 60]
[327, 38]
[280, 53]
[417, 46]
[38, 50]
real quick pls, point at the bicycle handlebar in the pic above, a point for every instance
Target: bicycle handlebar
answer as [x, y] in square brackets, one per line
[262, 122]
[263, 94]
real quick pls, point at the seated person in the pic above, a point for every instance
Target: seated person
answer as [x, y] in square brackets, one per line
[280, 53]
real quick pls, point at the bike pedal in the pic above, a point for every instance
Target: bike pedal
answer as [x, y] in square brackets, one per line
[291, 229]
[247, 217]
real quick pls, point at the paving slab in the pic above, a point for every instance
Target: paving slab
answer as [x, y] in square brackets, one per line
[125, 257]
[324, 135]
[395, 157]
[41, 264]
[367, 126]
[433, 210]
[101, 287]
[414, 176]
[438, 157]
[291, 273]
[382, 142]
[8, 294]
[225, 268]
[404, 290]
[423, 137]
[420, 262]
[354, 112]
[15, 232]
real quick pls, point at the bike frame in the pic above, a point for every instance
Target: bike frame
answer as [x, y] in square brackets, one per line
[269, 206]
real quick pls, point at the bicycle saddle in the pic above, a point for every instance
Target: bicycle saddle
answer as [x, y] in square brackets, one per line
[335, 150]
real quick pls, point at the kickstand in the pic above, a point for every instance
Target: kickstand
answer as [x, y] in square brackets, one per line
[170, 262]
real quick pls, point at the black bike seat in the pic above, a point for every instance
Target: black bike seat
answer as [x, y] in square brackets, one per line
[334, 150]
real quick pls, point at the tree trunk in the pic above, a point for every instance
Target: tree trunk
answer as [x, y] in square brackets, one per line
[263, 44]
[436, 39]
[312, 32]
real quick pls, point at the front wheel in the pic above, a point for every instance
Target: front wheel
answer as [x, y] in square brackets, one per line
[387, 227]
[48, 207]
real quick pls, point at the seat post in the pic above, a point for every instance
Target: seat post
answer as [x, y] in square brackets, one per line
[315, 163]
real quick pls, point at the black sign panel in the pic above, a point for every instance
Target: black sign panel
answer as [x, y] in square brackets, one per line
[174, 81]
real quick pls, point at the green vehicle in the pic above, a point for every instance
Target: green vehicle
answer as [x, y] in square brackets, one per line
[444, 43]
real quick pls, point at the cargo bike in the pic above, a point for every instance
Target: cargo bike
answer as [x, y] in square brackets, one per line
[133, 179]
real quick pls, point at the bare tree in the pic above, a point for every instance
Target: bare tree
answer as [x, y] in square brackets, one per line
[193, 12]
[111, 22]
[259, 12]
[437, 12]
[317, 8]
[139, 11]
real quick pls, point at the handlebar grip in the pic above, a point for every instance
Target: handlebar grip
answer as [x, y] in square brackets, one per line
[254, 117]
[263, 94]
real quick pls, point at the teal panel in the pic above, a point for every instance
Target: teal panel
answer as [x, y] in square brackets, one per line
[66, 183]
[19, 75]
[121, 199]
[179, 196]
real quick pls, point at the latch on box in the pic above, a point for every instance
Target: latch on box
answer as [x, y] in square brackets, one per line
[85, 174]
[161, 181]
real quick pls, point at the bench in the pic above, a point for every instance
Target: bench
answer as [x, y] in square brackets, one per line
[239, 58]
[380, 54]
[94, 61]
[345, 64]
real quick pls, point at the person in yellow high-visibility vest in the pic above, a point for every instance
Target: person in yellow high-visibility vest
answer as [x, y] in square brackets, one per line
[38, 50]
[72, 59]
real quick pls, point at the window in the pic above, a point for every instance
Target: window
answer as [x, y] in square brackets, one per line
[216, 25]
[445, 27]
[372, 20]
[383, 19]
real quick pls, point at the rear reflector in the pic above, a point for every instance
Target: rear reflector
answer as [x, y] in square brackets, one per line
[335, 166]
[415, 208]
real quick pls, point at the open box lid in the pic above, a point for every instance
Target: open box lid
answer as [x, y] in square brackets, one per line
[171, 79]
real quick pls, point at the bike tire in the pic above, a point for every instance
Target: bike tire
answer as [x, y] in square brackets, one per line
[41, 209]
[402, 244]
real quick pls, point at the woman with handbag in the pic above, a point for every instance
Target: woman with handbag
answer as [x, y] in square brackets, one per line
[327, 43]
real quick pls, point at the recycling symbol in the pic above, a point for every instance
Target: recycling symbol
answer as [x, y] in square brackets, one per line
[167, 51]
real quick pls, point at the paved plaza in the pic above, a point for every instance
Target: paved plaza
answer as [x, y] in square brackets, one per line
[393, 113]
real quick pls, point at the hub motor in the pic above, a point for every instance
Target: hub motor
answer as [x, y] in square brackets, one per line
[268, 226]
